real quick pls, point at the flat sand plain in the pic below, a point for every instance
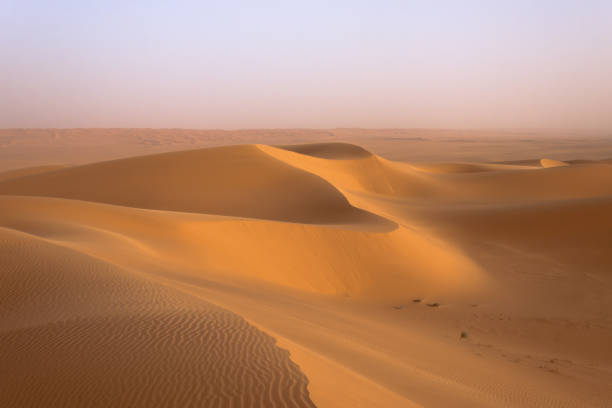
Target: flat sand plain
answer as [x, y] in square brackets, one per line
[282, 268]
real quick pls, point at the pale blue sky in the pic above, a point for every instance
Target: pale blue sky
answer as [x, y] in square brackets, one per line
[250, 64]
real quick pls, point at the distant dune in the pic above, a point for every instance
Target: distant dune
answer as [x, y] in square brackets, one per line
[20, 148]
[27, 171]
[552, 163]
[317, 274]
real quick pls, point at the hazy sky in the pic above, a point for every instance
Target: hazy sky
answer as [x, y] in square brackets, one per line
[254, 64]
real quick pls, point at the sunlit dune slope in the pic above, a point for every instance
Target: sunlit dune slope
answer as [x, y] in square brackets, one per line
[574, 233]
[78, 331]
[353, 261]
[353, 169]
[551, 163]
[239, 181]
[452, 182]
[555, 183]
[334, 151]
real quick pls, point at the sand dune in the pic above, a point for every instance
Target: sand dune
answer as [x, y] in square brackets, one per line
[78, 331]
[28, 171]
[354, 260]
[556, 183]
[363, 173]
[302, 275]
[552, 163]
[253, 185]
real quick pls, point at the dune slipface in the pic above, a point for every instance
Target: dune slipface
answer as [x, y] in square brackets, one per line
[295, 275]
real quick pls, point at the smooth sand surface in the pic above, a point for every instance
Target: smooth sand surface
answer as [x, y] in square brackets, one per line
[317, 274]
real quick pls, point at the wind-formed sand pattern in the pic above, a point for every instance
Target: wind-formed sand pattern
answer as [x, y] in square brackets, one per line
[305, 275]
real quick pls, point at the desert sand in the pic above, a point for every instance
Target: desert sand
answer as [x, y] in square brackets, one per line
[290, 268]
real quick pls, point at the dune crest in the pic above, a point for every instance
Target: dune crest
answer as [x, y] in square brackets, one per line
[365, 173]
[334, 151]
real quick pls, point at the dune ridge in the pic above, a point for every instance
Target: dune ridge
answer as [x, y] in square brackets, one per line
[175, 270]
